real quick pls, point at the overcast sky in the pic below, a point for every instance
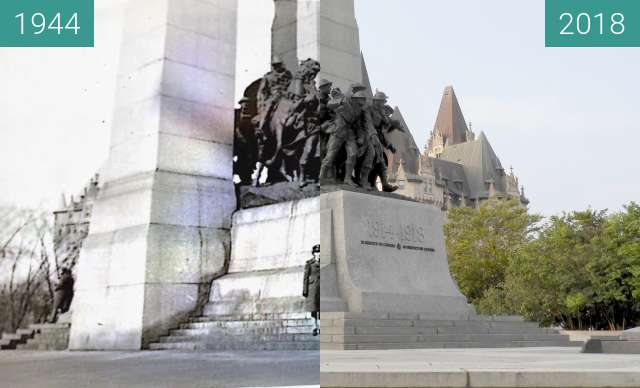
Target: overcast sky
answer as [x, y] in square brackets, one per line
[565, 119]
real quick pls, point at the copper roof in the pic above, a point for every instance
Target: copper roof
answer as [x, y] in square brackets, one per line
[450, 121]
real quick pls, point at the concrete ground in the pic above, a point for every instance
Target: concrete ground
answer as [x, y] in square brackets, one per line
[514, 367]
[158, 369]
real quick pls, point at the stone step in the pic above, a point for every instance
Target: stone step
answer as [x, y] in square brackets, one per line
[433, 330]
[494, 338]
[236, 345]
[7, 344]
[50, 326]
[466, 330]
[243, 330]
[43, 336]
[10, 341]
[246, 338]
[11, 336]
[254, 306]
[440, 345]
[252, 317]
[45, 345]
[246, 324]
[515, 325]
[448, 345]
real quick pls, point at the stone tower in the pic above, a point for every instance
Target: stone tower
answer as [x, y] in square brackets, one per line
[325, 30]
[160, 225]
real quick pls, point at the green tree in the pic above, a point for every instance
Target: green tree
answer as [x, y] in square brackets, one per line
[480, 244]
[549, 281]
[614, 270]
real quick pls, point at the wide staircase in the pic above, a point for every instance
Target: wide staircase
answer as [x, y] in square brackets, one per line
[276, 324]
[258, 304]
[45, 336]
[345, 331]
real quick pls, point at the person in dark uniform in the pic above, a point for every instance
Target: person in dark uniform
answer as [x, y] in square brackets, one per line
[63, 294]
[311, 287]
[245, 144]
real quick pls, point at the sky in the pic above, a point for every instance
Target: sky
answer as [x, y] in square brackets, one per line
[564, 118]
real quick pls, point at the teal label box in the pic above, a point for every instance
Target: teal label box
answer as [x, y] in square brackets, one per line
[46, 23]
[592, 23]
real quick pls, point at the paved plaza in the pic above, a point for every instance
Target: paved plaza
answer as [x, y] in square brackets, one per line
[513, 367]
[158, 369]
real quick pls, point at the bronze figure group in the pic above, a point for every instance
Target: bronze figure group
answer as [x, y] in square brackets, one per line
[290, 130]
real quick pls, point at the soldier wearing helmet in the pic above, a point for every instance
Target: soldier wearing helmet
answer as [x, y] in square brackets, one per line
[325, 115]
[273, 88]
[347, 132]
[381, 124]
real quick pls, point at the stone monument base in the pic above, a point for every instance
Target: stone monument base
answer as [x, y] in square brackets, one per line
[384, 254]
[258, 304]
[386, 282]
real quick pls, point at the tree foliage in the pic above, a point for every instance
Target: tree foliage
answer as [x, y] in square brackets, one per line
[27, 270]
[579, 269]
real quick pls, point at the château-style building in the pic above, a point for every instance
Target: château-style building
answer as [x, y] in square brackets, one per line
[456, 168]
[71, 223]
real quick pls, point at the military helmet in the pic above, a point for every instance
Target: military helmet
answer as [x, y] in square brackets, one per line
[359, 94]
[315, 249]
[243, 100]
[357, 86]
[324, 82]
[276, 60]
[380, 96]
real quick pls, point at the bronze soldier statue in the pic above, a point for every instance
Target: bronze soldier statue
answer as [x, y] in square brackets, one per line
[382, 124]
[326, 116]
[63, 294]
[273, 87]
[311, 286]
[347, 132]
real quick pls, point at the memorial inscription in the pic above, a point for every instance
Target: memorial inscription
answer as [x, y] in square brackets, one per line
[399, 236]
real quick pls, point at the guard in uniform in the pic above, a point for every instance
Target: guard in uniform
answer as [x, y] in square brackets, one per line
[311, 286]
[245, 145]
[63, 295]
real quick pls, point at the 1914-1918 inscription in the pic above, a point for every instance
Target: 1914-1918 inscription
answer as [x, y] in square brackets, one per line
[403, 236]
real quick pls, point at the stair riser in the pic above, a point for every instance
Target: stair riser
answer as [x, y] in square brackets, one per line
[440, 345]
[252, 317]
[244, 331]
[466, 325]
[236, 346]
[247, 324]
[444, 339]
[433, 331]
[238, 338]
